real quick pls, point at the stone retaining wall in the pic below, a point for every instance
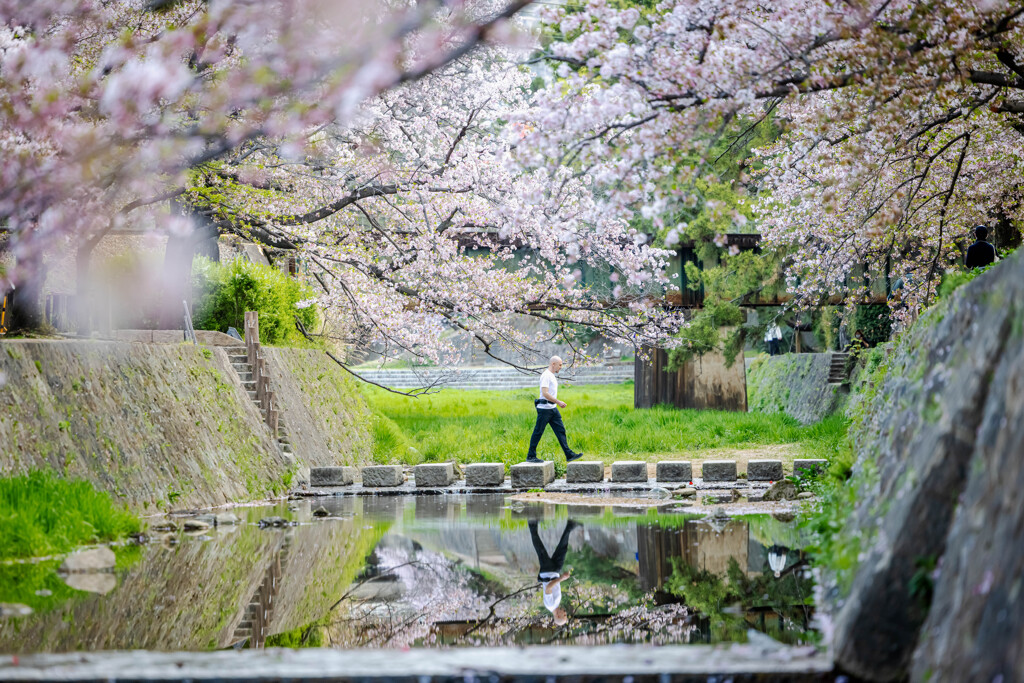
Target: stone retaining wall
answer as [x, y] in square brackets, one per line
[938, 480]
[166, 425]
[795, 384]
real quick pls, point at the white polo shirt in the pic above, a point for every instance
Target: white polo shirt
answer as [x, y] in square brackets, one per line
[550, 382]
[554, 598]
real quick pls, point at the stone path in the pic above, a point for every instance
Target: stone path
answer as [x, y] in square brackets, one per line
[581, 477]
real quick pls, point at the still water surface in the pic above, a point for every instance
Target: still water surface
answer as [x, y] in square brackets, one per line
[428, 571]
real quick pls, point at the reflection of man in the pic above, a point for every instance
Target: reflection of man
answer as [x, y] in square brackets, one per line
[550, 574]
[777, 559]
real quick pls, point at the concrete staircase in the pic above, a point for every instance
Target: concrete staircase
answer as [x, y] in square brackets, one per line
[496, 378]
[837, 369]
[240, 362]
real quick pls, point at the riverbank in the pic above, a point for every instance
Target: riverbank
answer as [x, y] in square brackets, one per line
[41, 515]
[167, 426]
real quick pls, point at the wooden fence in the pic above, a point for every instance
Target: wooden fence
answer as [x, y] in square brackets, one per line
[702, 383]
[264, 396]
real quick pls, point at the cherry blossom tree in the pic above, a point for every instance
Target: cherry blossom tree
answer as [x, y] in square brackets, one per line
[386, 166]
[902, 123]
[106, 107]
[415, 223]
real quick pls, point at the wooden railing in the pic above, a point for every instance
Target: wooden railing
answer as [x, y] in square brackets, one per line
[258, 363]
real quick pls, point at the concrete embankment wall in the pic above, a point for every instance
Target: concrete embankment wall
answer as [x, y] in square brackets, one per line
[162, 425]
[795, 384]
[938, 428]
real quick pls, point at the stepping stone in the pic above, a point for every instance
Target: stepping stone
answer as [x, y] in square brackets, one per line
[674, 470]
[629, 471]
[434, 474]
[584, 472]
[331, 476]
[485, 474]
[529, 475]
[818, 466]
[719, 470]
[383, 475]
[764, 470]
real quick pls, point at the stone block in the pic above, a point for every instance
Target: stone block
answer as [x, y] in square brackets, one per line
[485, 474]
[434, 474]
[529, 475]
[819, 466]
[168, 336]
[331, 476]
[764, 470]
[674, 470]
[584, 472]
[629, 471]
[718, 470]
[383, 475]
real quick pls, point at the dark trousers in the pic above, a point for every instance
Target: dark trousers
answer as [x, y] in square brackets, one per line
[552, 563]
[545, 417]
[773, 347]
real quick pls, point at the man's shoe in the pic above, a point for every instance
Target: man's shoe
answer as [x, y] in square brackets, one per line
[535, 461]
[574, 456]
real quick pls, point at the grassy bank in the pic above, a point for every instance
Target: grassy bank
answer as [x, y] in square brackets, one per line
[41, 514]
[495, 426]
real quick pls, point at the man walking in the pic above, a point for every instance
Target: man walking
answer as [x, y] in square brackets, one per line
[547, 413]
[981, 253]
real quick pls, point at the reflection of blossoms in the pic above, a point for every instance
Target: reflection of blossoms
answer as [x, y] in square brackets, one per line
[431, 588]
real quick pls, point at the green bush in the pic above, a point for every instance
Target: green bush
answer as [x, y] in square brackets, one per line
[224, 292]
[874, 321]
[41, 514]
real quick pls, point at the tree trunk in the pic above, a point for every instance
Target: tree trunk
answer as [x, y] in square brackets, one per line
[25, 301]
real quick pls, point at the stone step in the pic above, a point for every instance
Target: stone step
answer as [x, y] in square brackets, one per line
[584, 472]
[629, 471]
[764, 470]
[718, 470]
[674, 470]
[331, 476]
[382, 475]
[528, 475]
[434, 474]
[485, 474]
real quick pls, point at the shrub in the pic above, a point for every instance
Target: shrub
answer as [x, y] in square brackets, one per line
[224, 292]
[874, 321]
[41, 514]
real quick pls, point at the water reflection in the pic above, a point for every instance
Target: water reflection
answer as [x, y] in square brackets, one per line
[424, 571]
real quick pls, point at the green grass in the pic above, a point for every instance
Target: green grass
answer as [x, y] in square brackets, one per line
[41, 514]
[495, 426]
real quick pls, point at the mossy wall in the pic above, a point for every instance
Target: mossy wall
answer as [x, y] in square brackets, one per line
[170, 425]
[936, 519]
[795, 384]
[326, 416]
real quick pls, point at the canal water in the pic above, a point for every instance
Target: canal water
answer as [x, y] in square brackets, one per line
[426, 571]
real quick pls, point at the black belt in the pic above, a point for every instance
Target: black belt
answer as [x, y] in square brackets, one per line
[542, 401]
